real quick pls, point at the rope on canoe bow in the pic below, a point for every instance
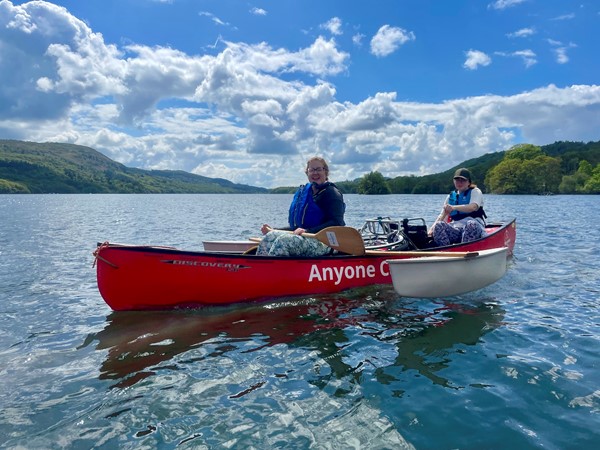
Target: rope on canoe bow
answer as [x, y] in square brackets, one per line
[98, 257]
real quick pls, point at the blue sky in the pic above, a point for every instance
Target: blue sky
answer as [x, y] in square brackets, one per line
[248, 90]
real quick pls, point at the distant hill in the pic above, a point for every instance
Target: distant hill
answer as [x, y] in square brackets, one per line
[570, 155]
[29, 167]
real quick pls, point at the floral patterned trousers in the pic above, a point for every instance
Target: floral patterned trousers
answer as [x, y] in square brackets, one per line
[284, 243]
[445, 234]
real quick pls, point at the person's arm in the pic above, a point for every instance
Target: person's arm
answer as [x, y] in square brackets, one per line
[462, 208]
[441, 216]
[266, 228]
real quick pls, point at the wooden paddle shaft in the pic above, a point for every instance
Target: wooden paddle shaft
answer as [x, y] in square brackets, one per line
[417, 253]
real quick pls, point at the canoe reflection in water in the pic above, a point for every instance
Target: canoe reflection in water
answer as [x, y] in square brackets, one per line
[351, 333]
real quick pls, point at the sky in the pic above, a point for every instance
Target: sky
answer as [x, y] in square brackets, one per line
[249, 90]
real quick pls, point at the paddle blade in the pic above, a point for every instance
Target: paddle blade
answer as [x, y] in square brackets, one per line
[344, 239]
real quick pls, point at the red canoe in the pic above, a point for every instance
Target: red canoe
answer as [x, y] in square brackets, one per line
[132, 277]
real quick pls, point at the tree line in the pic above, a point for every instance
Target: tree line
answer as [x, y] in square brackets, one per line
[560, 168]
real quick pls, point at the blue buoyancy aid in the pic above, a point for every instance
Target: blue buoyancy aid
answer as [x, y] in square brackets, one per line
[304, 212]
[456, 198]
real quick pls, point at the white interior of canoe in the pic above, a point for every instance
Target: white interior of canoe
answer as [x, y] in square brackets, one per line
[437, 276]
[228, 246]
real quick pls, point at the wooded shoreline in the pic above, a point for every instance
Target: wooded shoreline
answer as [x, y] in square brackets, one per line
[562, 167]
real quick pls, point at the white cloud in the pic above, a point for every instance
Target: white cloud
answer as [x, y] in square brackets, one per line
[388, 39]
[156, 107]
[258, 11]
[476, 58]
[528, 56]
[564, 17]
[561, 55]
[214, 18]
[56, 61]
[560, 50]
[523, 32]
[357, 39]
[503, 4]
[334, 26]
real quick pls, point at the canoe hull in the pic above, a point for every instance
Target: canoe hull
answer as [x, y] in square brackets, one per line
[150, 278]
[439, 276]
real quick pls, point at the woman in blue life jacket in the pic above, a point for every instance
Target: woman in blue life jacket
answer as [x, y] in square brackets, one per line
[315, 206]
[464, 208]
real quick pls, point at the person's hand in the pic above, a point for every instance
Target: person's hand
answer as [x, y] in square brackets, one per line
[448, 209]
[265, 228]
[299, 231]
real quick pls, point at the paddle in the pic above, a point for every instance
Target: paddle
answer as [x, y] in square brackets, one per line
[420, 253]
[344, 239]
[348, 240]
[251, 250]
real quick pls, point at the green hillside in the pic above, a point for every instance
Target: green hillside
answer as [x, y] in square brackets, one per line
[28, 167]
[562, 167]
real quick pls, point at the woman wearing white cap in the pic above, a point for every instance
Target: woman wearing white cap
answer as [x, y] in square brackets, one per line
[463, 209]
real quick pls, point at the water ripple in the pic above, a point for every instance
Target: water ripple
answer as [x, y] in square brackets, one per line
[514, 363]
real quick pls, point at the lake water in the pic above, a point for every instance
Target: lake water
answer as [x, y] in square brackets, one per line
[515, 365]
